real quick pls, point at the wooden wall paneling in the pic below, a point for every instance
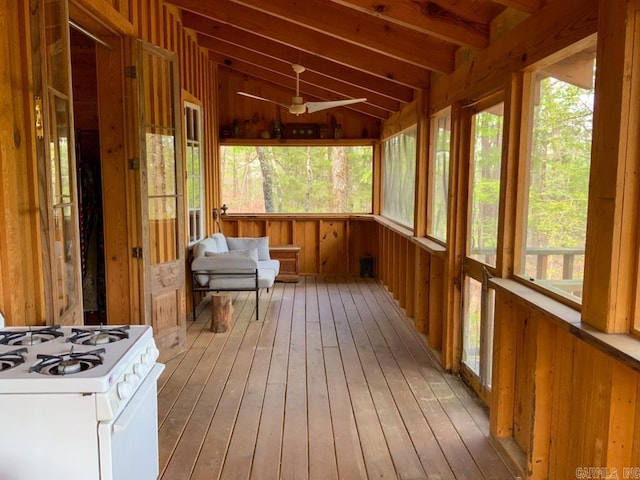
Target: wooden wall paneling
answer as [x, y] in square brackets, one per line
[581, 387]
[410, 301]
[396, 264]
[623, 407]
[401, 280]
[635, 448]
[611, 246]
[436, 302]
[563, 384]
[504, 367]
[115, 188]
[334, 247]
[422, 286]
[22, 294]
[280, 232]
[543, 397]
[360, 239]
[597, 396]
[307, 235]
[523, 394]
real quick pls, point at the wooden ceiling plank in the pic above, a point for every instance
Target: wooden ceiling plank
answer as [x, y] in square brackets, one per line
[310, 77]
[308, 92]
[428, 17]
[310, 41]
[281, 52]
[373, 33]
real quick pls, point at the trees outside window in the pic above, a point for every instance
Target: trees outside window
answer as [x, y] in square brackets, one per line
[557, 174]
[297, 179]
[438, 200]
[399, 177]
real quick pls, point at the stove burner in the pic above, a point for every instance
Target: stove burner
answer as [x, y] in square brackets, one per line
[92, 336]
[68, 363]
[30, 336]
[12, 359]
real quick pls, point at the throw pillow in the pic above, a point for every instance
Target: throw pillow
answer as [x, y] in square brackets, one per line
[247, 243]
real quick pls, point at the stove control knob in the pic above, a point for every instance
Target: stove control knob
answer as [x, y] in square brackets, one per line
[154, 353]
[125, 389]
[140, 369]
[132, 379]
[147, 360]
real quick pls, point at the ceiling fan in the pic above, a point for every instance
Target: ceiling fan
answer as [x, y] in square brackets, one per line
[298, 106]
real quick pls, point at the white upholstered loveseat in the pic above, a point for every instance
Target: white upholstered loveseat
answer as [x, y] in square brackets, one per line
[232, 264]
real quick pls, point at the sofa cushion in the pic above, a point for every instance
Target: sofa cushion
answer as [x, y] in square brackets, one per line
[221, 243]
[273, 265]
[251, 253]
[247, 243]
[265, 280]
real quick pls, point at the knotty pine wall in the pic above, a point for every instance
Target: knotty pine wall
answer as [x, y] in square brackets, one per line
[329, 244]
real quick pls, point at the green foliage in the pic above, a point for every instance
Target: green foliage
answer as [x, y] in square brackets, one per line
[301, 179]
[399, 177]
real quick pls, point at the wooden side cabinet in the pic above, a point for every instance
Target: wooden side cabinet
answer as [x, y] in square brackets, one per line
[289, 262]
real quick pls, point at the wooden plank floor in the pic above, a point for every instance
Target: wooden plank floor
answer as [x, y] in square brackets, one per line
[332, 382]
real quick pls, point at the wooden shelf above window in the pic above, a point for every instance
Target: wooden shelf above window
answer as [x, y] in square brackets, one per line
[249, 142]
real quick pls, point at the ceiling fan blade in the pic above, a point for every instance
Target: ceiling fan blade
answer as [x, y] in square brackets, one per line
[245, 94]
[317, 106]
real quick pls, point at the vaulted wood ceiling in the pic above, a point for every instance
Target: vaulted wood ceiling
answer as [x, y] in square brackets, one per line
[379, 49]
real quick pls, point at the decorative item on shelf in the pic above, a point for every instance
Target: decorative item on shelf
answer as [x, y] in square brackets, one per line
[235, 128]
[276, 129]
[216, 217]
[323, 131]
[301, 130]
[265, 134]
[337, 132]
[226, 131]
[224, 209]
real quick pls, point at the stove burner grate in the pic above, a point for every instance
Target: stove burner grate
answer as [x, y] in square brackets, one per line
[99, 336]
[68, 363]
[29, 337]
[11, 359]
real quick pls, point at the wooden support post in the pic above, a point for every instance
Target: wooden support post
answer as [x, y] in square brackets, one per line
[221, 312]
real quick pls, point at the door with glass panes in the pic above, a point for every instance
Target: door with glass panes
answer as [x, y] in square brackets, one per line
[485, 160]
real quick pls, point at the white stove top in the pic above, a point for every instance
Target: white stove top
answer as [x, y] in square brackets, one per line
[135, 355]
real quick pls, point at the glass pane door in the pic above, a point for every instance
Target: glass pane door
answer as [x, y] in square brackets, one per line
[53, 99]
[485, 159]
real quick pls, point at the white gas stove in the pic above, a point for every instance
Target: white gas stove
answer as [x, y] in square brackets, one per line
[78, 403]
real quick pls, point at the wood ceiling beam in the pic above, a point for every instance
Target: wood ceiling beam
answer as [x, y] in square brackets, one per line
[344, 90]
[281, 52]
[308, 92]
[310, 41]
[376, 34]
[528, 6]
[427, 17]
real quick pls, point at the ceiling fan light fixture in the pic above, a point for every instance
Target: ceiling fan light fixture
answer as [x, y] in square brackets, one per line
[297, 108]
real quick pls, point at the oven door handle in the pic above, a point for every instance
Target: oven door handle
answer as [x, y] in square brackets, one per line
[122, 422]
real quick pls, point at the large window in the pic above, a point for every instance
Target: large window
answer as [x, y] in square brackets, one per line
[399, 177]
[557, 174]
[439, 176]
[484, 185]
[297, 179]
[194, 170]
